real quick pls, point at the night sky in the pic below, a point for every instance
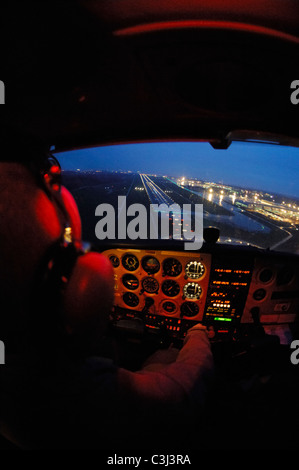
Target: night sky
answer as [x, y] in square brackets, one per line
[266, 167]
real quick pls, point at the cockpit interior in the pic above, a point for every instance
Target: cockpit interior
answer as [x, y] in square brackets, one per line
[174, 128]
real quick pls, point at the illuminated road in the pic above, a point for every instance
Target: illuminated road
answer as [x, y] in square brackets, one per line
[155, 194]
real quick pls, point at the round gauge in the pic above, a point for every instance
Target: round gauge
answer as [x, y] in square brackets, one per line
[130, 262]
[172, 267]
[192, 290]
[131, 299]
[195, 269]
[130, 281]
[150, 264]
[168, 306]
[266, 275]
[259, 294]
[284, 276]
[114, 261]
[150, 285]
[189, 309]
[170, 288]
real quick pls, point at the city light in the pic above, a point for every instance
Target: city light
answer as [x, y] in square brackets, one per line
[261, 203]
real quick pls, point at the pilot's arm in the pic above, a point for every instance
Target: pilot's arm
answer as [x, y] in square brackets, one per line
[174, 376]
[156, 406]
[116, 408]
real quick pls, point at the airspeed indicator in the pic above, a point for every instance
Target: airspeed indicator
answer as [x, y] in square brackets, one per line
[195, 269]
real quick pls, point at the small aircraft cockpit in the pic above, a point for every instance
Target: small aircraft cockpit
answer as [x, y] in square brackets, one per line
[172, 232]
[149, 208]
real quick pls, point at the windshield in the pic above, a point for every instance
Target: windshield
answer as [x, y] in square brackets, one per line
[249, 191]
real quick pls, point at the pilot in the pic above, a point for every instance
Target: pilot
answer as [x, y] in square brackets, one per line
[57, 388]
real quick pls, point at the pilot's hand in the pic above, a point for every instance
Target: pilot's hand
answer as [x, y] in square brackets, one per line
[162, 357]
[199, 327]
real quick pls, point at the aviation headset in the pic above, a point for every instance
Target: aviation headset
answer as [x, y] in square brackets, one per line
[75, 288]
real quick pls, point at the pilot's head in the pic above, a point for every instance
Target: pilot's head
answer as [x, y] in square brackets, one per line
[47, 285]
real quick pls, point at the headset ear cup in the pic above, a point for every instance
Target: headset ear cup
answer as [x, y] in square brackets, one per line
[89, 297]
[73, 214]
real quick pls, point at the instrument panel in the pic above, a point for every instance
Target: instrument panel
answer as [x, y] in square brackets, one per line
[175, 289]
[176, 283]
